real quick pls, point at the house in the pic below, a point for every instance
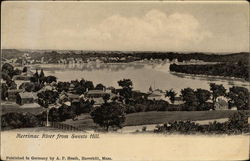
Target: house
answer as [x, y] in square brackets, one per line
[234, 108]
[178, 101]
[154, 96]
[20, 79]
[26, 98]
[221, 103]
[73, 97]
[12, 94]
[63, 97]
[157, 95]
[47, 87]
[97, 101]
[97, 96]
[72, 88]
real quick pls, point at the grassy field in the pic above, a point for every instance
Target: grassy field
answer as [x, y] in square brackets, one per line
[154, 117]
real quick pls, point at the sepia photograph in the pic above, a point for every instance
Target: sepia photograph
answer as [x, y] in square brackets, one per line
[109, 80]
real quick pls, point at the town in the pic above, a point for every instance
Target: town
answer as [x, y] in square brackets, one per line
[49, 102]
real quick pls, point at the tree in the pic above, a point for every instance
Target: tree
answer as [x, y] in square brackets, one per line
[127, 86]
[11, 84]
[45, 98]
[238, 122]
[171, 94]
[50, 79]
[62, 86]
[66, 112]
[35, 77]
[217, 90]
[27, 86]
[5, 76]
[100, 86]
[108, 115]
[190, 99]
[4, 91]
[203, 96]
[41, 74]
[106, 97]
[41, 77]
[17, 72]
[8, 69]
[54, 115]
[25, 69]
[150, 89]
[239, 97]
[125, 83]
[89, 85]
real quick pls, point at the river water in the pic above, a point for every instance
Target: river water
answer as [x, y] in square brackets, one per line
[143, 75]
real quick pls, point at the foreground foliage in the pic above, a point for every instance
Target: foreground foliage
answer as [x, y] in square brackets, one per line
[237, 124]
[108, 115]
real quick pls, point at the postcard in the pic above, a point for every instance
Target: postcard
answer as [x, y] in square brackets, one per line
[125, 80]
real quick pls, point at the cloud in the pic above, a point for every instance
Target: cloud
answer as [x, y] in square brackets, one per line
[153, 31]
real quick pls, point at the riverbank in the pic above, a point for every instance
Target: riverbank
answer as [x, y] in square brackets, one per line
[231, 80]
[236, 70]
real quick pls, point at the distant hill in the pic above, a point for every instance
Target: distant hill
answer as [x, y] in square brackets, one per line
[136, 55]
[11, 53]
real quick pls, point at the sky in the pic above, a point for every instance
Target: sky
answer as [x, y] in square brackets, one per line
[219, 27]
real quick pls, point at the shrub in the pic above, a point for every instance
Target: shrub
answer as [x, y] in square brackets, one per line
[144, 128]
[237, 124]
[19, 120]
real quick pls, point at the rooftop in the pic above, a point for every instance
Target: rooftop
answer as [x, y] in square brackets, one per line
[73, 96]
[15, 90]
[98, 101]
[154, 95]
[27, 95]
[96, 92]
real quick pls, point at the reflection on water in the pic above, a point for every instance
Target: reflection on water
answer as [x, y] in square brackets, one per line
[113, 67]
[143, 75]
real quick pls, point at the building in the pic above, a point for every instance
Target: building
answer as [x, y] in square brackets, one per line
[12, 94]
[96, 96]
[157, 94]
[221, 103]
[73, 97]
[63, 97]
[72, 88]
[95, 93]
[26, 59]
[97, 101]
[178, 101]
[26, 98]
[20, 79]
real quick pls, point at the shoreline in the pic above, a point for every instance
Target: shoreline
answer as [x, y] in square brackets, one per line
[209, 76]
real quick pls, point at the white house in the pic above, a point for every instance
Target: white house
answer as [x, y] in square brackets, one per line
[157, 94]
[221, 103]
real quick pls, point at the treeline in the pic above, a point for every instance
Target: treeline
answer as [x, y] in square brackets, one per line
[54, 56]
[239, 70]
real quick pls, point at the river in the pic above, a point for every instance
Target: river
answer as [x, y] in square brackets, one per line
[143, 75]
